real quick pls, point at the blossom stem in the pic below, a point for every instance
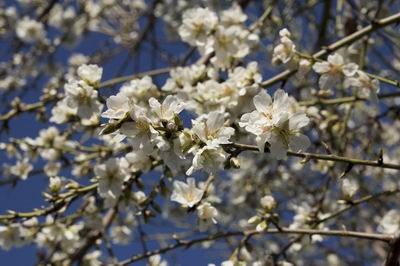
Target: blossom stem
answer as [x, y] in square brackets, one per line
[388, 81]
[64, 199]
[392, 82]
[316, 156]
[348, 99]
[121, 79]
[374, 26]
[358, 202]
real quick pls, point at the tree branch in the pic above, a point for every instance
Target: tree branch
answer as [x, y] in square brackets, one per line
[189, 243]
[378, 24]
[315, 156]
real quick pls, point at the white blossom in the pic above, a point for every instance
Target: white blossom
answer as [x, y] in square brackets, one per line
[273, 123]
[304, 67]
[197, 25]
[167, 113]
[349, 187]
[121, 234]
[211, 129]
[118, 106]
[83, 97]
[187, 194]
[90, 73]
[137, 160]
[110, 178]
[21, 169]
[390, 222]
[332, 70]
[207, 212]
[364, 85]
[29, 30]
[55, 184]
[233, 16]
[225, 44]
[52, 168]
[209, 159]
[141, 130]
[268, 202]
[10, 235]
[92, 259]
[156, 260]
[170, 107]
[62, 112]
[285, 50]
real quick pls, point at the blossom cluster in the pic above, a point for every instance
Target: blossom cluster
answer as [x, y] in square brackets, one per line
[81, 97]
[204, 146]
[225, 36]
[273, 122]
[332, 71]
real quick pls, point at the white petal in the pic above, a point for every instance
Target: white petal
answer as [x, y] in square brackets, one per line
[215, 121]
[321, 67]
[262, 101]
[281, 100]
[298, 120]
[335, 59]
[154, 103]
[350, 69]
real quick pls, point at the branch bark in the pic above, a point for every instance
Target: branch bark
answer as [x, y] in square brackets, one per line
[374, 26]
[393, 255]
[189, 243]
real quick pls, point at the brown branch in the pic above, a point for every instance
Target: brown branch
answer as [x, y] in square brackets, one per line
[189, 243]
[393, 255]
[376, 25]
[349, 99]
[237, 148]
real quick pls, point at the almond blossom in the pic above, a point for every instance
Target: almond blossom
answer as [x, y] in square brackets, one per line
[111, 178]
[209, 159]
[140, 130]
[285, 50]
[349, 187]
[29, 30]
[207, 215]
[196, 26]
[139, 91]
[390, 222]
[191, 138]
[118, 106]
[187, 194]
[273, 123]
[211, 129]
[121, 235]
[364, 85]
[10, 236]
[168, 109]
[91, 74]
[82, 97]
[21, 169]
[268, 202]
[333, 70]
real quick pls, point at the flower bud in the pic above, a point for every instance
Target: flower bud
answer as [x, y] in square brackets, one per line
[268, 202]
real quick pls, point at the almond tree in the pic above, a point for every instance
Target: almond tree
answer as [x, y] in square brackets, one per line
[253, 132]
